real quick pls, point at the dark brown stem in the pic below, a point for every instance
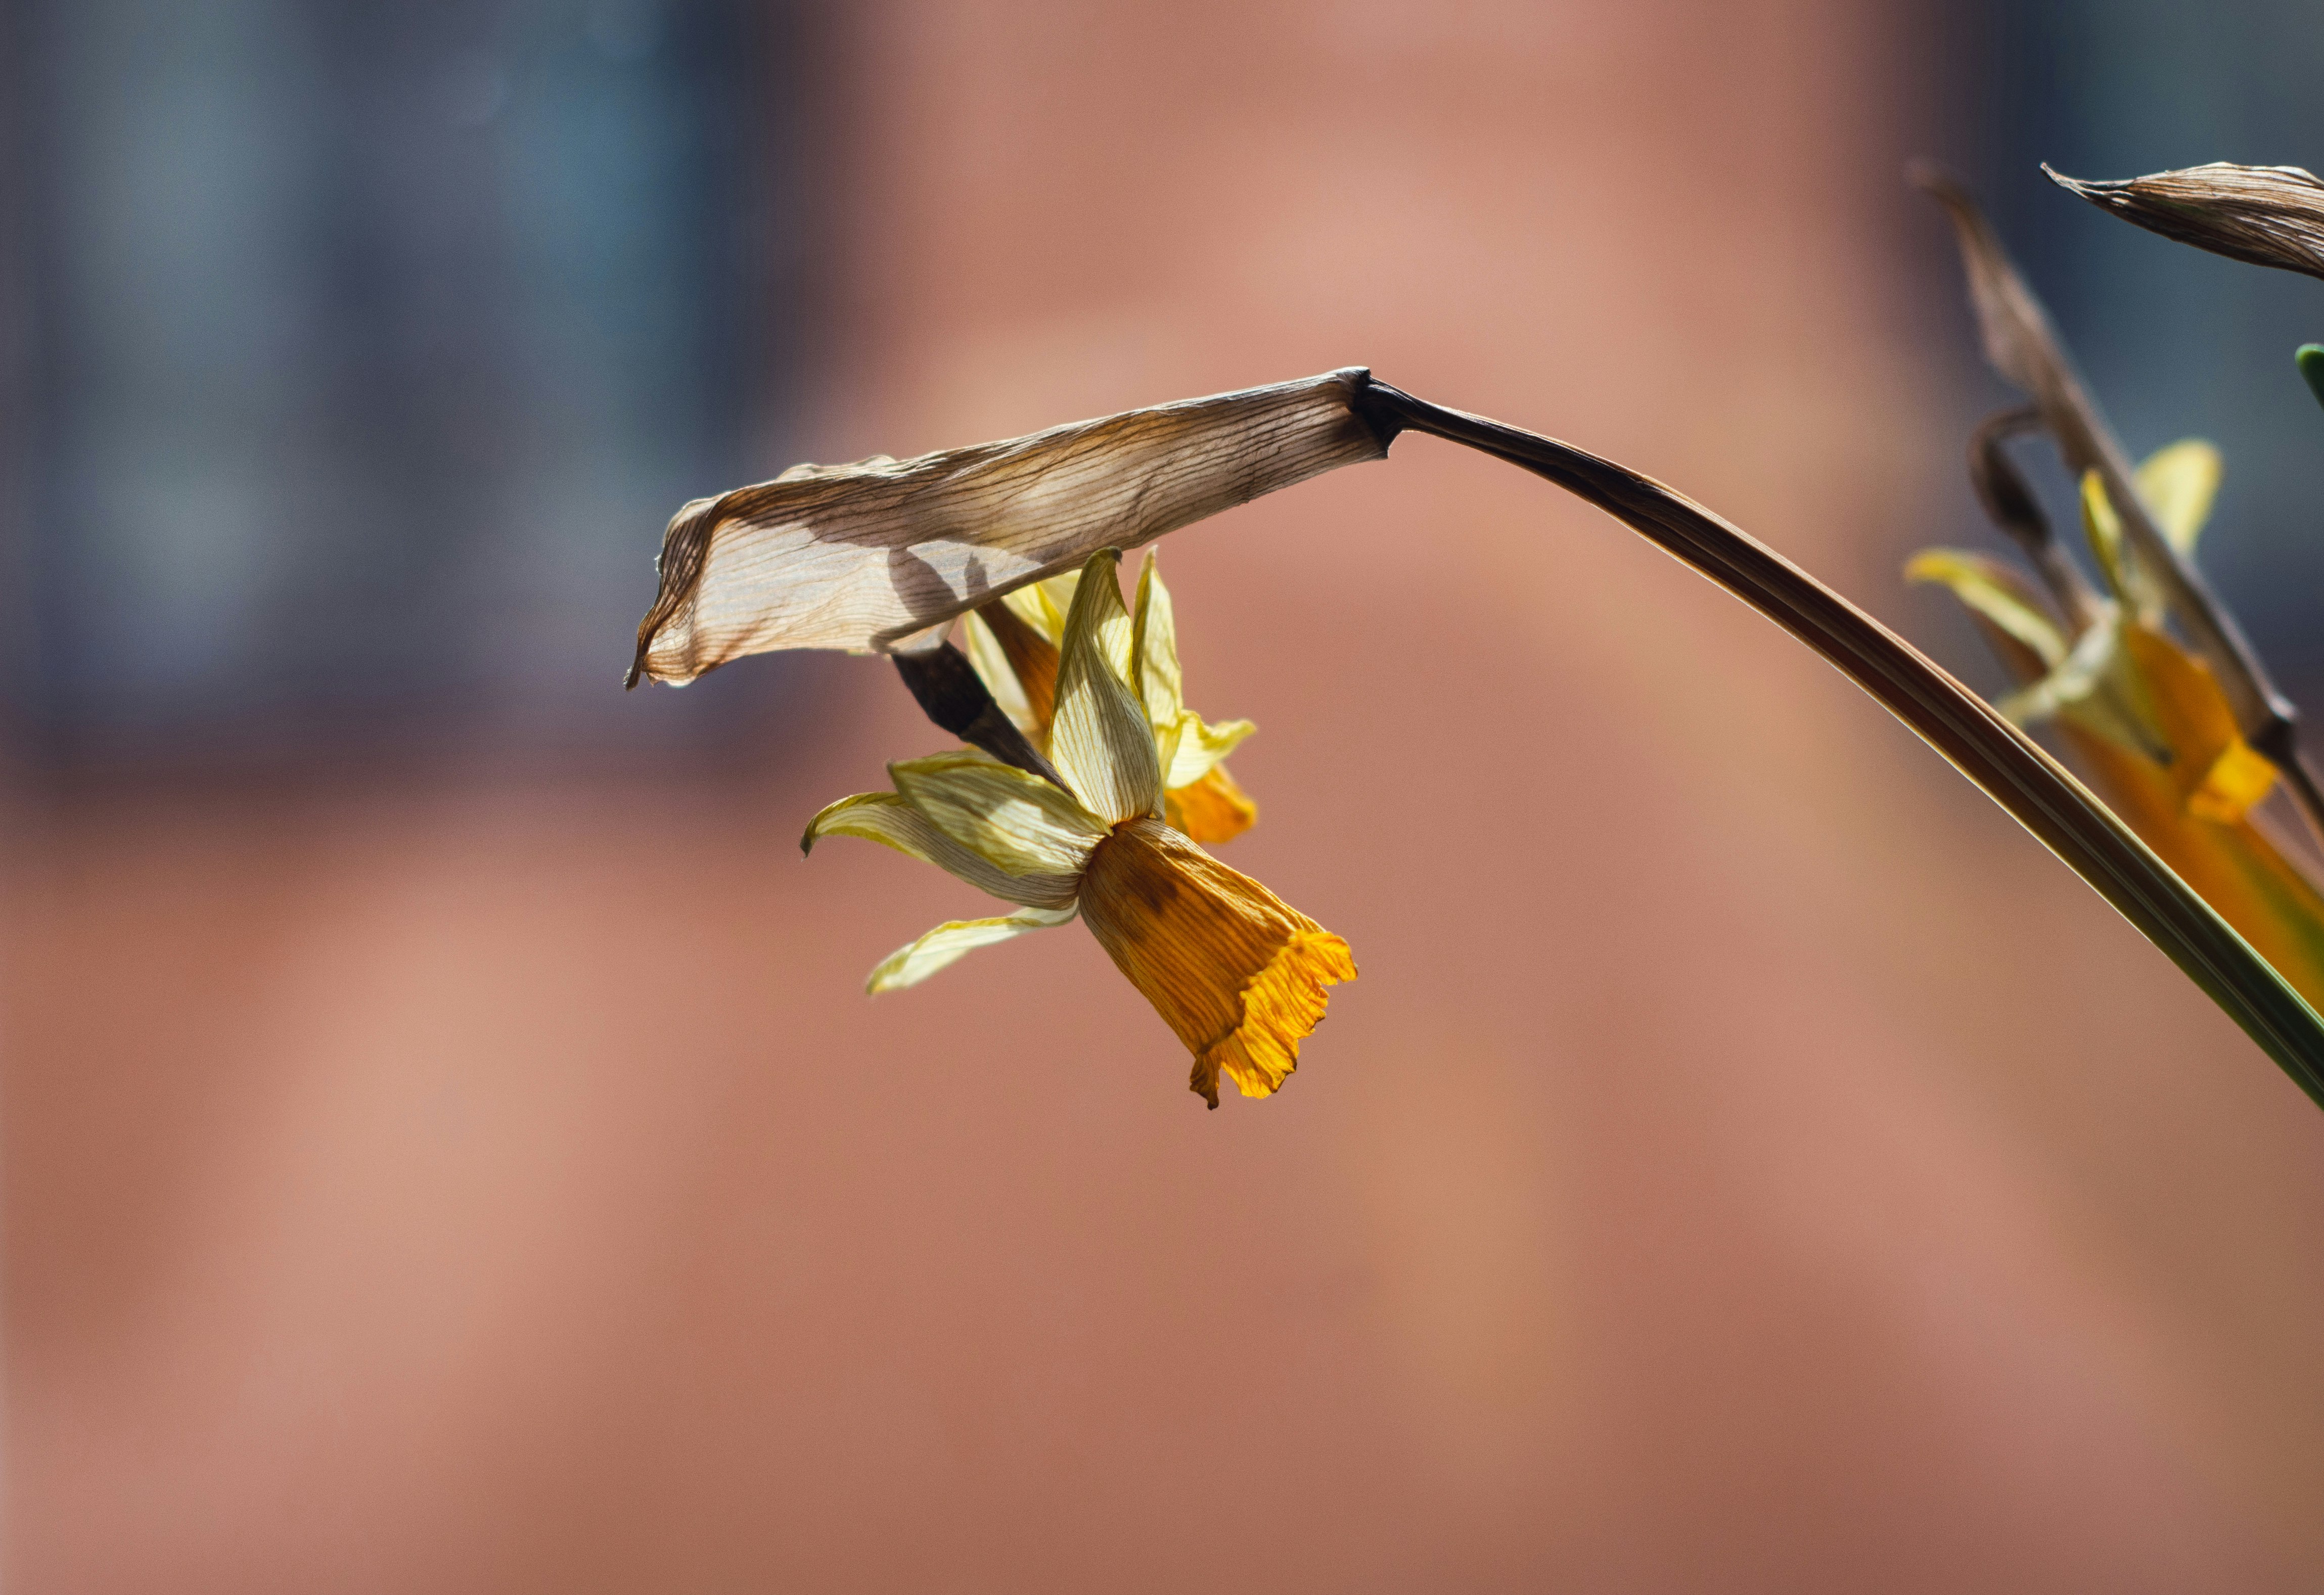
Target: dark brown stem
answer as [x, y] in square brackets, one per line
[955, 698]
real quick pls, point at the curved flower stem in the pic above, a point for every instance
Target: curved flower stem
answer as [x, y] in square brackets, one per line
[2036, 790]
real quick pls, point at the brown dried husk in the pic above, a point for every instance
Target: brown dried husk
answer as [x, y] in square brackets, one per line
[2267, 215]
[860, 556]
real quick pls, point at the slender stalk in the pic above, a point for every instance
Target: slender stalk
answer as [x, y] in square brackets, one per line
[2035, 789]
[2010, 505]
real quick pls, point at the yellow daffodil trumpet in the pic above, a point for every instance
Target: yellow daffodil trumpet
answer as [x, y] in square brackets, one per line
[1236, 973]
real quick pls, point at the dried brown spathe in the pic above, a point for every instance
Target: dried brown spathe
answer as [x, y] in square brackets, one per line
[863, 556]
[2270, 216]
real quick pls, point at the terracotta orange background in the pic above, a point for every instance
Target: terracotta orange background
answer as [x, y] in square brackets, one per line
[1746, 1163]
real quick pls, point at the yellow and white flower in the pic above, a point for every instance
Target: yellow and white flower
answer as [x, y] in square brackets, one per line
[1013, 642]
[1237, 973]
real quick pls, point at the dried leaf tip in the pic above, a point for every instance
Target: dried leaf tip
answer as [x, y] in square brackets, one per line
[2269, 216]
[860, 556]
[2019, 341]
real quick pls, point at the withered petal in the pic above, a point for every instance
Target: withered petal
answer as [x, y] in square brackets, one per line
[2023, 347]
[886, 818]
[953, 940]
[1014, 820]
[1098, 739]
[2269, 216]
[859, 557]
[1996, 594]
[1017, 663]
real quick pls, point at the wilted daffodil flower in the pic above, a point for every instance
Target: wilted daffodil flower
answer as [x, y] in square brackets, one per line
[1236, 971]
[1013, 641]
[2145, 718]
[2184, 739]
[1092, 778]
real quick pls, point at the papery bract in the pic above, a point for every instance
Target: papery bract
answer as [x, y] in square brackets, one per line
[864, 556]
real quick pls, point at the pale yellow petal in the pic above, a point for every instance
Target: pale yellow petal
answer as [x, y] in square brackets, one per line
[1054, 597]
[886, 818]
[1996, 592]
[1238, 973]
[1100, 740]
[2096, 687]
[1042, 605]
[858, 555]
[1016, 821]
[1109, 622]
[2103, 527]
[2123, 574]
[1195, 746]
[1153, 644]
[1211, 810]
[1029, 658]
[951, 941]
[2072, 681]
[1154, 675]
[1189, 745]
[2178, 484]
[990, 662]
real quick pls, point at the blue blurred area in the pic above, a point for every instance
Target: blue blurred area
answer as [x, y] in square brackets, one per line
[2175, 341]
[360, 354]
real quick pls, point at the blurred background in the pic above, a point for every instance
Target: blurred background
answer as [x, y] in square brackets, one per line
[443, 1141]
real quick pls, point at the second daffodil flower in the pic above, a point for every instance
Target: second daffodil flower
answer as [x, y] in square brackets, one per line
[1238, 973]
